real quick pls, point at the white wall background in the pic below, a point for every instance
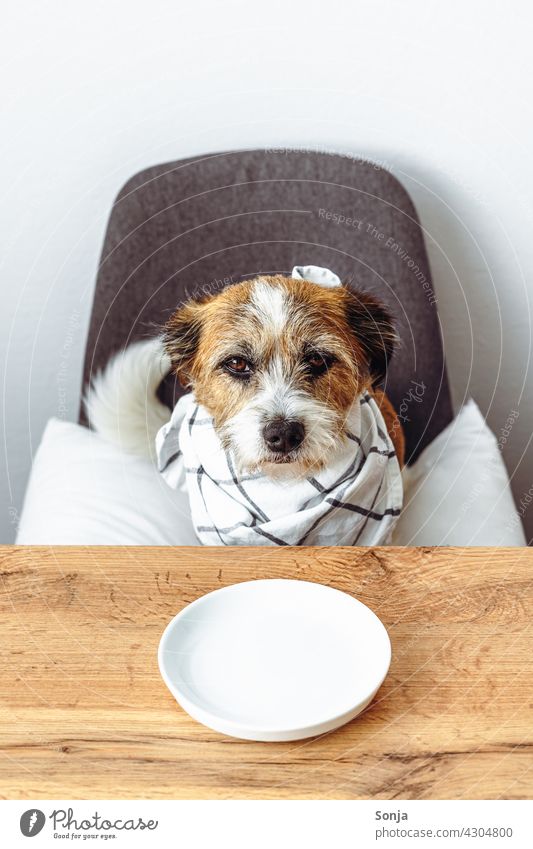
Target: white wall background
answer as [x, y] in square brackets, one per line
[441, 93]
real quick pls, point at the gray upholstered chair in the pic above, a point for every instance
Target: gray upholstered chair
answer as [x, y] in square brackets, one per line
[202, 223]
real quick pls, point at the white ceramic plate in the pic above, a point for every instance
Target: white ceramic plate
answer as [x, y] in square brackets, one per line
[274, 659]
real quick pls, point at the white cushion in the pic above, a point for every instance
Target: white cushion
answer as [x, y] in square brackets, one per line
[458, 491]
[85, 491]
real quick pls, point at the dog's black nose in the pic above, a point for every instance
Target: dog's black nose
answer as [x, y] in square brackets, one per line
[283, 436]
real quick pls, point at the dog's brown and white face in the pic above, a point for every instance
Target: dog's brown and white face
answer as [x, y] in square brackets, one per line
[278, 362]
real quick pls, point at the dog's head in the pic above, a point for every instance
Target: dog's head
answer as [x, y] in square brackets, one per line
[278, 362]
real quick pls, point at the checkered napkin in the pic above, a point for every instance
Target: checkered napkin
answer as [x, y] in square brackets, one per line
[354, 500]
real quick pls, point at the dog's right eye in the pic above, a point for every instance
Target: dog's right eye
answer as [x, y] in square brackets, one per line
[238, 367]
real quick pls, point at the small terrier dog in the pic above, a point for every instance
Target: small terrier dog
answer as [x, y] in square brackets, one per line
[277, 362]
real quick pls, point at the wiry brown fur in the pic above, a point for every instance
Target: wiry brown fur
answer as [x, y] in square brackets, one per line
[393, 423]
[353, 327]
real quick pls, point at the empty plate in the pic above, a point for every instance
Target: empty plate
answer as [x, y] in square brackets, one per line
[274, 659]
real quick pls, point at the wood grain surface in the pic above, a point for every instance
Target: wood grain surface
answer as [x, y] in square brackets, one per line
[85, 714]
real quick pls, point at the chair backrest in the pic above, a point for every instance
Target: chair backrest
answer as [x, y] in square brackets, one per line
[199, 224]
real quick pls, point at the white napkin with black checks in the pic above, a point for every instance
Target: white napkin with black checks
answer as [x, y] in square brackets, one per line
[354, 500]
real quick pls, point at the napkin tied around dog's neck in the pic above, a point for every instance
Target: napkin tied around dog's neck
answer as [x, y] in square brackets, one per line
[354, 500]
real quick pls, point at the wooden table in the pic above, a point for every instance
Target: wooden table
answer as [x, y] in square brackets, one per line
[85, 714]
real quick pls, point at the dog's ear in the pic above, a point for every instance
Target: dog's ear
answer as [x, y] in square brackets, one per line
[181, 336]
[373, 327]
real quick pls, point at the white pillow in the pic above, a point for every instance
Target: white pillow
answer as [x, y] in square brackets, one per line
[458, 491]
[85, 491]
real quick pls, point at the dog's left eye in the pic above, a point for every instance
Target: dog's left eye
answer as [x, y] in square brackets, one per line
[317, 363]
[238, 366]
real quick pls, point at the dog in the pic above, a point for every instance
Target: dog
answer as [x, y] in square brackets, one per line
[285, 376]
